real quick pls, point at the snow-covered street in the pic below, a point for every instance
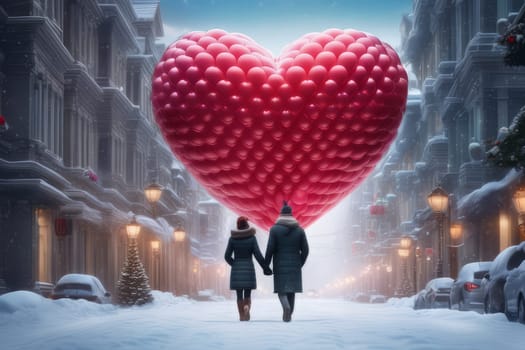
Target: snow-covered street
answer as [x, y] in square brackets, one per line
[28, 321]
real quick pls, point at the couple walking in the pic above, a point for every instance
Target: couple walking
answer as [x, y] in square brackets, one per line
[287, 247]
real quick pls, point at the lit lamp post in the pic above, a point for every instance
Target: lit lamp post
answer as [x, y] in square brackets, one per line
[133, 230]
[519, 204]
[133, 285]
[438, 202]
[153, 193]
[404, 252]
[155, 246]
[179, 234]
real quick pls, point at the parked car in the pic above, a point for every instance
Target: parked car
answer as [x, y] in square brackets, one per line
[514, 291]
[377, 299]
[466, 293]
[81, 286]
[435, 295]
[494, 281]
[361, 297]
[43, 288]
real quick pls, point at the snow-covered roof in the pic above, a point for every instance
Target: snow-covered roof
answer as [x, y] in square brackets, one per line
[82, 211]
[490, 196]
[211, 201]
[145, 9]
[77, 278]
[160, 226]
[148, 10]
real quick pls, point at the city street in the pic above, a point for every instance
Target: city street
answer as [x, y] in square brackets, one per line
[179, 323]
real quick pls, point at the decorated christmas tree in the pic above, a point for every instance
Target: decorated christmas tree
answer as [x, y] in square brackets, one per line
[133, 286]
[508, 151]
[514, 42]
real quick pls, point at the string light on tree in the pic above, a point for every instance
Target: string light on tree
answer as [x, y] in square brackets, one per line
[133, 286]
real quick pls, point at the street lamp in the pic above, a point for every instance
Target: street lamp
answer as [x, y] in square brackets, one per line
[438, 202]
[405, 242]
[519, 203]
[456, 232]
[153, 192]
[155, 247]
[179, 234]
[519, 200]
[133, 229]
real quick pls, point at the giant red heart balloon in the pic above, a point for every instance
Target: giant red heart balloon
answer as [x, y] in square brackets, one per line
[307, 127]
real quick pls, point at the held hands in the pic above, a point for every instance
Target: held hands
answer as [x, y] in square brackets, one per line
[267, 271]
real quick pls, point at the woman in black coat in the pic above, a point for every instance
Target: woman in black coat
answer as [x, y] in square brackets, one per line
[243, 245]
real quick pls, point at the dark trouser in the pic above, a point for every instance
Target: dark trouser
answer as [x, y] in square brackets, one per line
[243, 293]
[287, 301]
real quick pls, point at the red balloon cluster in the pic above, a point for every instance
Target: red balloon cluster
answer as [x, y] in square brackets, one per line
[306, 127]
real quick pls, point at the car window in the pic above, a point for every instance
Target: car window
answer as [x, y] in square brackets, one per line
[77, 286]
[467, 271]
[515, 259]
[99, 285]
[478, 275]
[500, 262]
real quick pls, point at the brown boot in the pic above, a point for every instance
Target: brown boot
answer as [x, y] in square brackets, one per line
[246, 308]
[240, 308]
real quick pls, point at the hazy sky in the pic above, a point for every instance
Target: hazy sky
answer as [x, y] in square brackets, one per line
[275, 23]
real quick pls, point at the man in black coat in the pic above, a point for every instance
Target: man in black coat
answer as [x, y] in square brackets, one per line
[288, 247]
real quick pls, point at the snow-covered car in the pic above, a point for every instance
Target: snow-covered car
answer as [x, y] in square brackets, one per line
[361, 297]
[43, 288]
[377, 299]
[435, 295]
[81, 286]
[514, 291]
[494, 281]
[466, 293]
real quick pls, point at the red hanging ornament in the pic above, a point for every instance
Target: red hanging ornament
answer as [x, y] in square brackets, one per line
[62, 227]
[511, 39]
[377, 209]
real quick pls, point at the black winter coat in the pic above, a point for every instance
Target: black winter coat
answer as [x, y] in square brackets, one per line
[243, 244]
[288, 247]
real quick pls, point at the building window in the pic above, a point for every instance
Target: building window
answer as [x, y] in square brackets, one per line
[475, 123]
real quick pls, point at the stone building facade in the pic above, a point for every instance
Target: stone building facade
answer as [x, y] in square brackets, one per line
[82, 144]
[461, 95]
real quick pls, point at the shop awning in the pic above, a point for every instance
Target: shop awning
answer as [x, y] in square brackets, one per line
[491, 196]
[159, 227]
[79, 210]
[35, 191]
